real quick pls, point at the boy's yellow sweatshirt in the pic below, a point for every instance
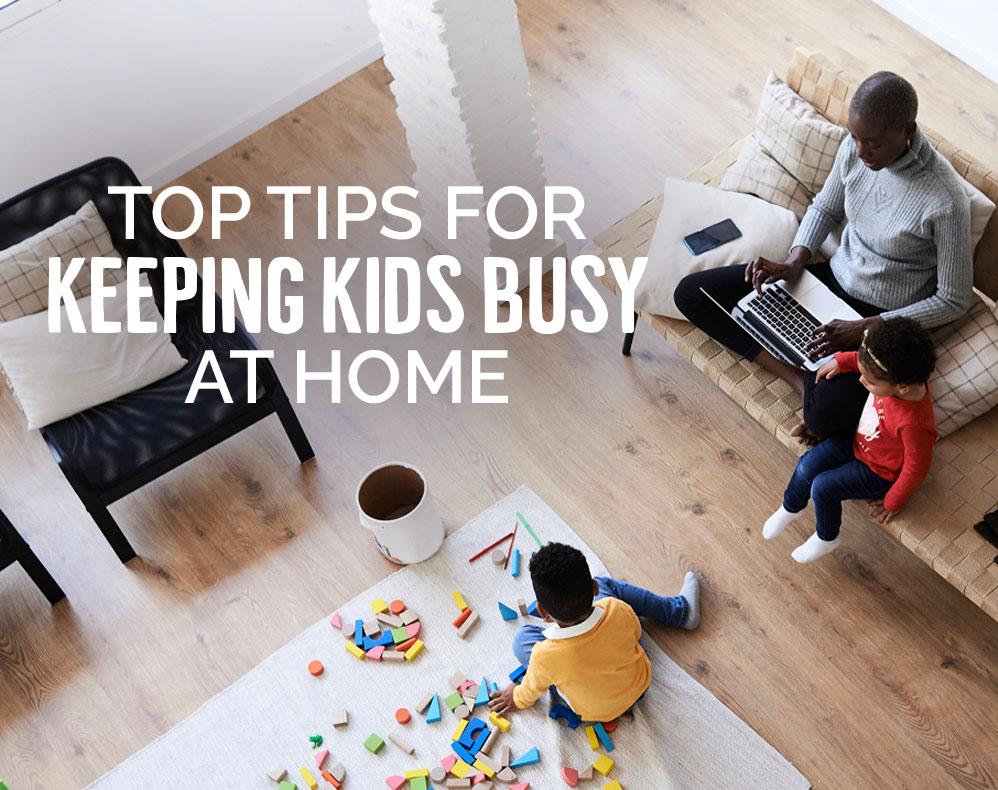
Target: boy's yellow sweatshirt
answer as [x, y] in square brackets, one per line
[597, 665]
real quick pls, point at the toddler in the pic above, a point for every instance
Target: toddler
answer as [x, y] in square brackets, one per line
[888, 457]
[590, 652]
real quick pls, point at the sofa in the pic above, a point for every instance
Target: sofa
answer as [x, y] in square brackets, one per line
[938, 522]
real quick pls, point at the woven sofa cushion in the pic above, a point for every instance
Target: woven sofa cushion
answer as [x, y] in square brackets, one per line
[965, 383]
[981, 209]
[24, 268]
[790, 152]
[767, 230]
[55, 375]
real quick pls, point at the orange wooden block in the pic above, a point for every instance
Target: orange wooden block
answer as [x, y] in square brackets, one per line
[315, 667]
[610, 726]
[405, 645]
[459, 620]
[331, 779]
[402, 716]
[397, 606]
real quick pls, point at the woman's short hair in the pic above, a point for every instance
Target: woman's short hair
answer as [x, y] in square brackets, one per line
[887, 99]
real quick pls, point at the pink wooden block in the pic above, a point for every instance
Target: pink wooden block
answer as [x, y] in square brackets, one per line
[465, 686]
[321, 758]
[376, 652]
[521, 786]
[448, 762]
[412, 629]
[395, 782]
[336, 622]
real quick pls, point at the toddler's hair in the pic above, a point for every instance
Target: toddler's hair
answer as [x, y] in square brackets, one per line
[900, 351]
[562, 582]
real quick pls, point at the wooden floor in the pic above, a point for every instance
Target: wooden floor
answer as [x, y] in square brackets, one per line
[866, 670]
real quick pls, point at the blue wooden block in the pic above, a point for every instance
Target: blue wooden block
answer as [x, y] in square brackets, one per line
[604, 736]
[560, 711]
[532, 610]
[433, 714]
[517, 674]
[470, 733]
[515, 563]
[483, 736]
[358, 633]
[463, 753]
[483, 693]
[495, 686]
[384, 640]
[507, 613]
[527, 758]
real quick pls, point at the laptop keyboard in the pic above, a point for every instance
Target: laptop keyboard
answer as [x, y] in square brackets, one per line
[786, 317]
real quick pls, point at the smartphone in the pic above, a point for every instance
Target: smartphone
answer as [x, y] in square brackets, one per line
[707, 239]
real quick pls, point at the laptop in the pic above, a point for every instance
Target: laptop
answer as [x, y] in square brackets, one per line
[783, 317]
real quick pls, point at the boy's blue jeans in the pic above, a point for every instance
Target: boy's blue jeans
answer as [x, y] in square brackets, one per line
[830, 474]
[671, 611]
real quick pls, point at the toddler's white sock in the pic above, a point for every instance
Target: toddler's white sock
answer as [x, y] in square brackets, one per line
[814, 548]
[778, 522]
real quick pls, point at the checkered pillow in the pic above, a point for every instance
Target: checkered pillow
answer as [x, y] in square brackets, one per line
[24, 268]
[790, 153]
[965, 383]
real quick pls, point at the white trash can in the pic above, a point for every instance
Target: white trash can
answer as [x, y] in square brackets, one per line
[394, 503]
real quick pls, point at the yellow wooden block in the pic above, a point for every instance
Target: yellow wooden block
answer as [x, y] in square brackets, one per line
[354, 649]
[461, 769]
[379, 605]
[459, 600]
[415, 650]
[500, 722]
[459, 730]
[614, 785]
[417, 772]
[593, 740]
[485, 769]
[603, 764]
[309, 779]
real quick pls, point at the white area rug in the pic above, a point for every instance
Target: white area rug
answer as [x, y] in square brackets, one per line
[681, 736]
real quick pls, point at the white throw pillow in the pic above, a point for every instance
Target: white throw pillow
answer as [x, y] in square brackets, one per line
[55, 375]
[965, 383]
[24, 268]
[790, 152]
[767, 231]
[981, 209]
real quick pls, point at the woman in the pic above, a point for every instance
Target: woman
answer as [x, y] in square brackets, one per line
[905, 251]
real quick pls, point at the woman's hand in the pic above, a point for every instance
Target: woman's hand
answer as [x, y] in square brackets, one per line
[838, 335]
[879, 513]
[501, 702]
[762, 271]
[828, 371]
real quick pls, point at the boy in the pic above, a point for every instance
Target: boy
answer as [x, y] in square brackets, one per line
[590, 652]
[888, 457]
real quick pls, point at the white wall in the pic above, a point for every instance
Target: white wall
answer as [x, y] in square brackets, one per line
[967, 28]
[164, 84]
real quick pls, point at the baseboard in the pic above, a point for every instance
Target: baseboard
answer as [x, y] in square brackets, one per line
[257, 118]
[985, 64]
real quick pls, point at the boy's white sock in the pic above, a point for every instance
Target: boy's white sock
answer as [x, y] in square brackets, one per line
[778, 522]
[814, 548]
[691, 592]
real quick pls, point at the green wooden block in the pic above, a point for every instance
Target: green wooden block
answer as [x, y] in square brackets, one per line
[400, 635]
[417, 783]
[287, 786]
[453, 700]
[374, 743]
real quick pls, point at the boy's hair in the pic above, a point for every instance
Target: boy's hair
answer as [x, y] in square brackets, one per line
[562, 581]
[899, 351]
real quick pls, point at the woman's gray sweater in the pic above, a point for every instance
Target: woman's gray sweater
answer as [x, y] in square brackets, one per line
[906, 247]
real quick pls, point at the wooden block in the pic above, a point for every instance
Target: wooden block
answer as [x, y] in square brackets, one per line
[487, 746]
[340, 718]
[357, 651]
[399, 635]
[415, 650]
[424, 703]
[402, 716]
[459, 620]
[413, 629]
[415, 773]
[499, 721]
[470, 623]
[315, 667]
[586, 773]
[408, 617]
[459, 730]
[459, 601]
[395, 782]
[593, 740]
[522, 606]
[498, 556]
[390, 620]
[603, 764]
[331, 779]
[505, 755]
[456, 679]
[397, 606]
[462, 711]
[378, 605]
[454, 781]
[460, 769]
[374, 743]
[376, 653]
[306, 775]
[278, 776]
[418, 783]
[438, 774]
[393, 655]
[570, 776]
[348, 630]
[614, 785]
[404, 646]
[320, 758]
[485, 765]
[336, 622]
[506, 775]
[453, 699]
[338, 772]
[401, 743]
